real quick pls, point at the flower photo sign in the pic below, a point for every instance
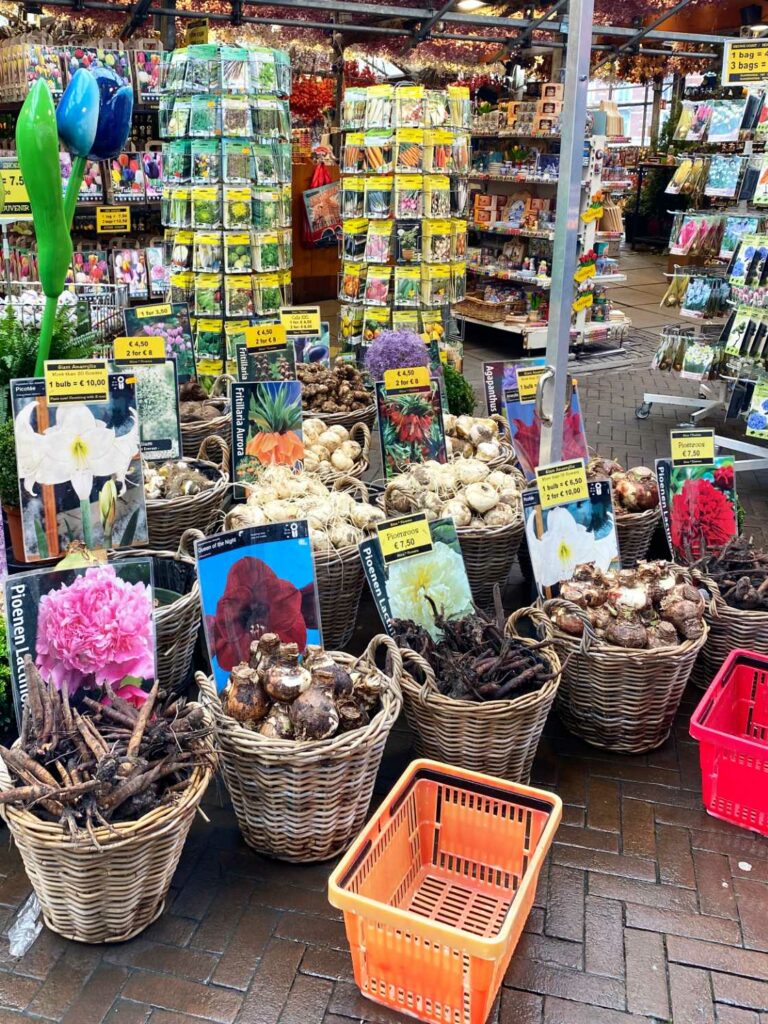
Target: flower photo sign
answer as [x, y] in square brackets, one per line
[410, 426]
[698, 506]
[525, 428]
[266, 427]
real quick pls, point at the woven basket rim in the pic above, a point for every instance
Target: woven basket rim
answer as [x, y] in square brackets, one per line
[649, 655]
[719, 607]
[348, 414]
[627, 518]
[167, 505]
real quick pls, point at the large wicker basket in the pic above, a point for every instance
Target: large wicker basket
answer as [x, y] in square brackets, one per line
[499, 737]
[194, 432]
[109, 893]
[176, 624]
[305, 801]
[615, 697]
[347, 419]
[634, 531]
[168, 518]
[361, 433]
[729, 628]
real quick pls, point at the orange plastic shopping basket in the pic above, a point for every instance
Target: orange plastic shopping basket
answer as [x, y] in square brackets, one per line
[437, 888]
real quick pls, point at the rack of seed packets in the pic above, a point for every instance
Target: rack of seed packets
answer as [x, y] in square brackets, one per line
[226, 203]
[405, 164]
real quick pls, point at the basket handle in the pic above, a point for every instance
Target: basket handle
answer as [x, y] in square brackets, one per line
[365, 436]
[209, 697]
[185, 551]
[501, 423]
[542, 622]
[588, 636]
[220, 388]
[350, 483]
[223, 452]
[393, 656]
[430, 682]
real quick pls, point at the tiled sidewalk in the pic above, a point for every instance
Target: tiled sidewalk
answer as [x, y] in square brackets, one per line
[648, 910]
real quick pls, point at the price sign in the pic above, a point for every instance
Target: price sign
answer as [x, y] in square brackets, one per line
[76, 381]
[562, 482]
[264, 336]
[299, 320]
[745, 60]
[111, 220]
[527, 383]
[197, 31]
[584, 301]
[406, 377]
[443, 356]
[14, 189]
[692, 447]
[405, 536]
[143, 348]
[152, 312]
[586, 270]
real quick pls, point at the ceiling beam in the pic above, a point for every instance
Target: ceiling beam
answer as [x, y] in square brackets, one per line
[423, 31]
[525, 35]
[635, 39]
[135, 19]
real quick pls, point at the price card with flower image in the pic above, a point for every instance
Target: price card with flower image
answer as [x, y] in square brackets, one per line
[157, 396]
[698, 504]
[257, 580]
[266, 427]
[54, 617]
[410, 418]
[692, 447]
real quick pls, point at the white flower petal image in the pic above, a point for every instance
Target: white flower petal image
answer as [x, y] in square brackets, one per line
[440, 573]
[38, 461]
[564, 545]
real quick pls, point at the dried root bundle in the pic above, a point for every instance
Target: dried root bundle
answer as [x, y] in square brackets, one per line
[741, 572]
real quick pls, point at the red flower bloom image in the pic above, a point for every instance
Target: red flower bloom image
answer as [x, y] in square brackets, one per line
[702, 519]
[255, 601]
[724, 478]
[526, 438]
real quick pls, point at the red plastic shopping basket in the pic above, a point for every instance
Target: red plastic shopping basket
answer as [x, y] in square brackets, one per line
[731, 725]
[437, 888]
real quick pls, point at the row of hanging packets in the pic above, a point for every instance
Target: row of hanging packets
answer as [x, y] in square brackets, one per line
[232, 207]
[695, 356]
[361, 325]
[745, 341]
[407, 106]
[232, 69]
[234, 161]
[405, 151]
[748, 271]
[404, 196]
[207, 115]
[234, 252]
[697, 234]
[233, 295]
[381, 241]
[427, 284]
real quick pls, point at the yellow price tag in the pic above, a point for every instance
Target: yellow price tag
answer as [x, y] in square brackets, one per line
[405, 536]
[562, 482]
[197, 31]
[299, 320]
[144, 348]
[692, 447]
[745, 60]
[585, 271]
[111, 220]
[150, 312]
[527, 383]
[84, 380]
[584, 301]
[443, 356]
[16, 198]
[265, 336]
[406, 377]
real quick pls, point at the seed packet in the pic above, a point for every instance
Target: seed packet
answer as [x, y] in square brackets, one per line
[208, 295]
[270, 117]
[352, 282]
[234, 69]
[268, 359]
[267, 249]
[377, 284]
[460, 153]
[126, 176]
[353, 109]
[266, 209]
[157, 401]
[178, 249]
[81, 656]
[182, 287]
[726, 120]
[203, 69]
[757, 414]
[253, 581]
[350, 326]
[353, 153]
[407, 286]
[525, 429]
[262, 72]
[438, 151]
[266, 427]
[205, 116]
[91, 58]
[436, 241]
[81, 477]
[678, 179]
[268, 292]
[459, 196]
[408, 236]
[175, 117]
[152, 165]
[238, 212]
[751, 176]
[735, 229]
[178, 161]
[147, 65]
[375, 320]
[266, 169]
[437, 195]
[410, 107]
[436, 284]
[684, 121]
[408, 196]
[91, 189]
[238, 162]
[209, 346]
[206, 207]
[459, 107]
[236, 117]
[723, 176]
[206, 161]
[174, 69]
[409, 149]
[760, 197]
[285, 241]
[177, 207]
[285, 210]
[239, 295]
[43, 62]
[283, 159]
[355, 233]
[551, 530]
[378, 197]
[378, 152]
[437, 113]
[379, 106]
[410, 426]
[458, 239]
[207, 254]
[238, 255]
[458, 280]
[91, 267]
[378, 241]
[352, 198]
[130, 268]
[698, 506]
[234, 335]
[157, 271]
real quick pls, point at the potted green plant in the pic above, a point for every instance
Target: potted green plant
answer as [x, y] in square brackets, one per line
[9, 488]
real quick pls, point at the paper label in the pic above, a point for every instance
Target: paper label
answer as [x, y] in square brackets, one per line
[406, 377]
[76, 381]
[745, 61]
[141, 349]
[16, 198]
[528, 382]
[265, 336]
[405, 536]
[298, 321]
[151, 312]
[562, 482]
[113, 219]
[692, 447]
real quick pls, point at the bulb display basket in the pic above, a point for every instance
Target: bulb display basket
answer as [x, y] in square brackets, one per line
[499, 737]
[347, 419]
[298, 801]
[618, 698]
[194, 432]
[729, 629]
[169, 518]
[361, 433]
[731, 725]
[436, 890]
[113, 892]
[635, 531]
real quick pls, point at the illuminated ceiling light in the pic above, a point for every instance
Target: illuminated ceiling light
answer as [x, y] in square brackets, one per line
[471, 5]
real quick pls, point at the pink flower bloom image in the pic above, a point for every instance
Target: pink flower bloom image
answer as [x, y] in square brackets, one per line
[96, 630]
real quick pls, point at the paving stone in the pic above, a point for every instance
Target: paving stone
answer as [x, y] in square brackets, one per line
[637, 832]
[646, 974]
[603, 811]
[673, 847]
[521, 1007]
[565, 910]
[711, 929]
[168, 993]
[604, 937]
[648, 894]
[727, 959]
[272, 982]
[544, 979]
[562, 1011]
[691, 994]
[96, 998]
[752, 995]
[605, 863]
[714, 884]
[249, 940]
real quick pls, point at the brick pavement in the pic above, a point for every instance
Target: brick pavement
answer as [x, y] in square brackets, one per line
[648, 910]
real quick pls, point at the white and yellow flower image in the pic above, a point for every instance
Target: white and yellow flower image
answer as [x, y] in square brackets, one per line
[564, 545]
[439, 573]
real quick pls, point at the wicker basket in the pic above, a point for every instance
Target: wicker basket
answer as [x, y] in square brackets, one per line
[478, 309]
[347, 419]
[729, 628]
[177, 624]
[507, 456]
[112, 893]
[361, 433]
[617, 698]
[634, 531]
[194, 432]
[499, 737]
[168, 518]
[305, 801]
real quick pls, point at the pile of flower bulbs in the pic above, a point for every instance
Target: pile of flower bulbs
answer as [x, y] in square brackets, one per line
[336, 520]
[634, 490]
[329, 450]
[174, 479]
[653, 605]
[477, 437]
[465, 489]
[283, 697]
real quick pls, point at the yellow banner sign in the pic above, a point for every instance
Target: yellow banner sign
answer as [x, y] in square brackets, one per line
[745, 60]
[585, 270]
[197, 31]
[144, 348]
[265, 336]
[692, 447]
[15, 197]
[76, 381]
[406, 377]
[528, 382]
[405, 536]
[584, 301]
[111, 220]
[562, 482]
[298, 320]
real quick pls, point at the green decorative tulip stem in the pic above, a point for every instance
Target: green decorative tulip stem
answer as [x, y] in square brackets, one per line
[46, 332]
[76, 176]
